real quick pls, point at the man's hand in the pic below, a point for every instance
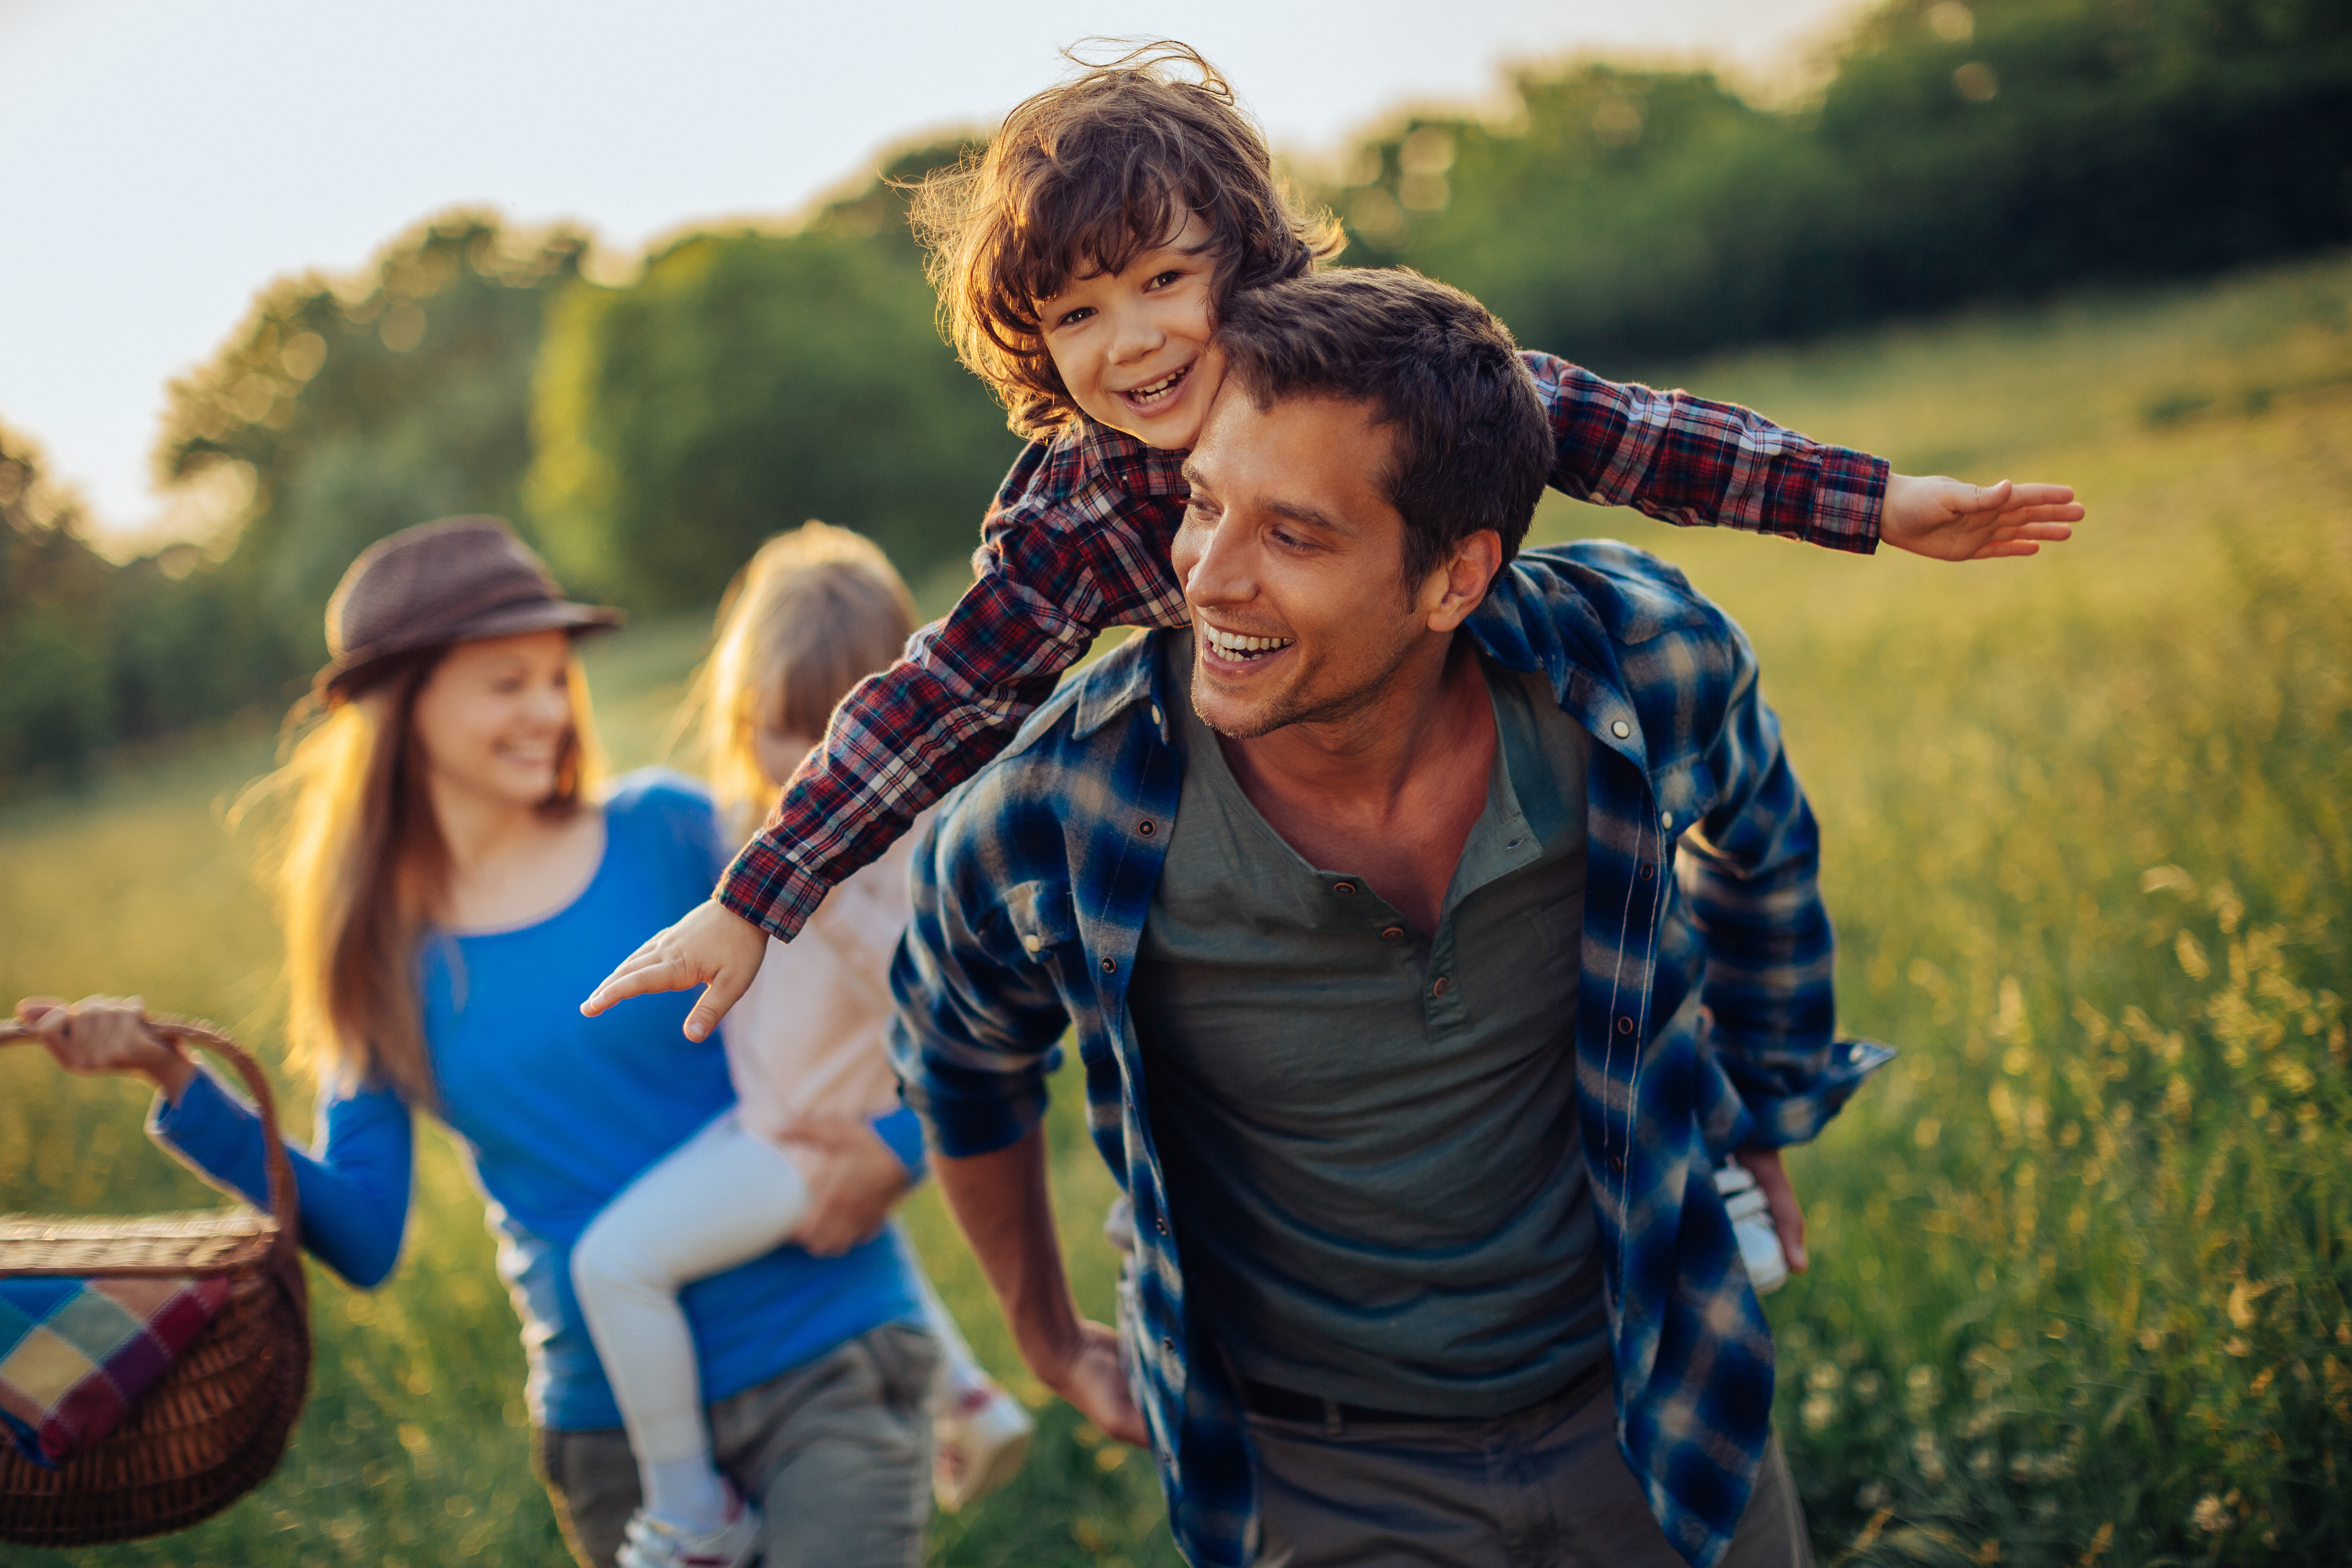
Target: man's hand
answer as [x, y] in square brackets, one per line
[1781, 1200]
[713, 947]
[854, 1181]
[107, 1035]
[1948, 520]
[1091, 1377]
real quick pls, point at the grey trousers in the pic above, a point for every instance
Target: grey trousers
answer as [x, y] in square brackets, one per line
[836, 1453]
[1544, 1488]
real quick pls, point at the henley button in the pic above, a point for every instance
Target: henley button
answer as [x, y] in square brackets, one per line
[1343, 888]
[1621, 729]
[1393, 933]
[1442, 987]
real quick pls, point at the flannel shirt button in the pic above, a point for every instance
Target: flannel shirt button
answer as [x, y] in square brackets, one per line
[1155, 714]
[1617, 1164]
[1034, 943]
[1110, 966]
[1621, 729]
[1160, 1225]
[1624, 1025]
[1665, 819]
[1169, 1345]
[1648, 870]
[1147, 827]
[1442, 987]
[1395, 934]
[1343, 888]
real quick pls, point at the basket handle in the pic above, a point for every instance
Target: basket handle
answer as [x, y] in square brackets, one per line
[189, 1031]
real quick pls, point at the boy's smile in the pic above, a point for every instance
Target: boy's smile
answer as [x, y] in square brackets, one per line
[1133, 347]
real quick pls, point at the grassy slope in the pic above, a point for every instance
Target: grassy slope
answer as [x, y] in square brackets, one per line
[2081, 1281]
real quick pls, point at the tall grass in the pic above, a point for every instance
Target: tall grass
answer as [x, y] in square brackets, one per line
[2082, 1258]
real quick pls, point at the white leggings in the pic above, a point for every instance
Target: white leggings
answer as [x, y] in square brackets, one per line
[722, 1197]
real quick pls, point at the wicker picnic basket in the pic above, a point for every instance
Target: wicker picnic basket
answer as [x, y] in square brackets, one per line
[214, 1425]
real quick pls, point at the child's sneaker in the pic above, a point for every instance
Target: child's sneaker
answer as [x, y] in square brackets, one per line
[982, 1437]
[653, 1542]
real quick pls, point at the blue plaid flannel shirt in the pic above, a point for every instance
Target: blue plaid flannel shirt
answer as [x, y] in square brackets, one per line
[1706, 1018]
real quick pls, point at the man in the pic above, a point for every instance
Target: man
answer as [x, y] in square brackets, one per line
[1412, 1052]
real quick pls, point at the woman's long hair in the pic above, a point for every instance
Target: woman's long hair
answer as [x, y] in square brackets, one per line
[818, 610]
[360, 870]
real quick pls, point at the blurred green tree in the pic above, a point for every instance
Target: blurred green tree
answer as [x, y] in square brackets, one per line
[1958, 152]
[745, 382]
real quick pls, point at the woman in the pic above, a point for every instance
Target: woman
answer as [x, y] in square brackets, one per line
[448, 892]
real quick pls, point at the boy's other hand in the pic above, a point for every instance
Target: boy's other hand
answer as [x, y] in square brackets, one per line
[713, 947]
[1946, 519]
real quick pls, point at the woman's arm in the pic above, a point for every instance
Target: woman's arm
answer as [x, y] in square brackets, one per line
[352, 1193]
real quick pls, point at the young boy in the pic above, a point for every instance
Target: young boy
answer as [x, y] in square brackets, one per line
[1080, 266]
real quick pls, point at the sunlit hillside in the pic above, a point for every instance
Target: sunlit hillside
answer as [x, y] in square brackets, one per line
[2082, 1256]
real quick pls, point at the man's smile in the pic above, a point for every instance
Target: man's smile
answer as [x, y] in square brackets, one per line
[1237, 647]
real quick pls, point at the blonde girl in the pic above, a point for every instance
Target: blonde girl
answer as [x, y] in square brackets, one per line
[816, 611]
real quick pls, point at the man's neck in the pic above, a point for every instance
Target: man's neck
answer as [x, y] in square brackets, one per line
[1388, 792]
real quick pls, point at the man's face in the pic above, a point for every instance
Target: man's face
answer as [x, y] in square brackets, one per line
[1291, 559]
[1133, 347]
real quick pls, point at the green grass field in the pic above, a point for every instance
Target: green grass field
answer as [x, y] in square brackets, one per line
[2082, 1256]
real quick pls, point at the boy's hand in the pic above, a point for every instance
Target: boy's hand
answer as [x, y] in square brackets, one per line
[854, 1179]
[713, 947]
[1948, 520]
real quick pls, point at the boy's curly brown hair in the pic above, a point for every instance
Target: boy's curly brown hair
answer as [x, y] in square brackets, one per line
[1082, 177]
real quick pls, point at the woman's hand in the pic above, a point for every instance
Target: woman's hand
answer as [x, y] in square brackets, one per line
[1780, 1201]
[107, 1035]
[854, 1179]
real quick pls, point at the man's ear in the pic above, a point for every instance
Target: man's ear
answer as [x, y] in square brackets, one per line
[1460, 582]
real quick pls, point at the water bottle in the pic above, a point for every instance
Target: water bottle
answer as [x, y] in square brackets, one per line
[1751, 1221]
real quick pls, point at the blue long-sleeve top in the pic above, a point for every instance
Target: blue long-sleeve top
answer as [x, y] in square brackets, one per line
[556, 1113]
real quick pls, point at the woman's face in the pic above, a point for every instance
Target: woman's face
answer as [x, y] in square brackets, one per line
[494, 716]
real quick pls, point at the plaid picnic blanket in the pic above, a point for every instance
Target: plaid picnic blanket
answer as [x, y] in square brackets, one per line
[76, 1355]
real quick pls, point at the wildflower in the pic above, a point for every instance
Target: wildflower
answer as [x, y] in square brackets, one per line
[2209, 1515]
[1817, 1411]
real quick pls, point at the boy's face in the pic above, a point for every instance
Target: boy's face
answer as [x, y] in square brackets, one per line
[1133, 346]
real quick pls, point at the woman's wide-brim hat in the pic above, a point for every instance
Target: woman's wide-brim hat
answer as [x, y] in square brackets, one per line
[457, 580]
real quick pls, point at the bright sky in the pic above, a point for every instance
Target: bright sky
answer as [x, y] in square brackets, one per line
[162, 161]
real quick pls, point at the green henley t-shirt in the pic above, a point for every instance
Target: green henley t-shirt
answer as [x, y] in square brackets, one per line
[1370, 1131]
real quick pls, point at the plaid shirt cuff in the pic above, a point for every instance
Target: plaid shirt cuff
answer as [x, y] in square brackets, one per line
[771, 890]
[1849, 494]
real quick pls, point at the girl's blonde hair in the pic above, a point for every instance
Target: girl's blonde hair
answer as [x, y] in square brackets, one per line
[358, 870]
[818, 610]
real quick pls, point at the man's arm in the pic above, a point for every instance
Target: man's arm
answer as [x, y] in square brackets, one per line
[1005, 1208]
[1750, 873]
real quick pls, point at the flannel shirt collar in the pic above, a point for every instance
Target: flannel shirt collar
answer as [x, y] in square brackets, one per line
[1127, 463]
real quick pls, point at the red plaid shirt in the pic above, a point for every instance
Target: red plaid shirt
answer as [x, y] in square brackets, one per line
[1079, 540]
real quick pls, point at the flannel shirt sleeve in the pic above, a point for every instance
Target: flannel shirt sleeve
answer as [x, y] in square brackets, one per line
[978, 1021]
[1749, 871]
[1055, 566]
[1687, 461]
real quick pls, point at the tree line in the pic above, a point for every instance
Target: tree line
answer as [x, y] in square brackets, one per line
[647, 433]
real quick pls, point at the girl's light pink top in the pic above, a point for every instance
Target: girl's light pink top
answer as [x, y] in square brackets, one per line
[806, 1039]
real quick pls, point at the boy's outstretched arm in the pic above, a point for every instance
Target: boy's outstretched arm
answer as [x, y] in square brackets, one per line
[1686, 460]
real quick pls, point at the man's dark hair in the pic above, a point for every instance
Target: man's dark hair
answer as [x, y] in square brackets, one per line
[1472, 445]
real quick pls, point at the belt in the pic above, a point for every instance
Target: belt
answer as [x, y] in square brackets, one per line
[1288, 1405]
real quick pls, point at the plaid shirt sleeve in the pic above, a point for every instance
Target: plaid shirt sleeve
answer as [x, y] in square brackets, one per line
[1685, 461]
[1750, 873]
[1077, 541]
